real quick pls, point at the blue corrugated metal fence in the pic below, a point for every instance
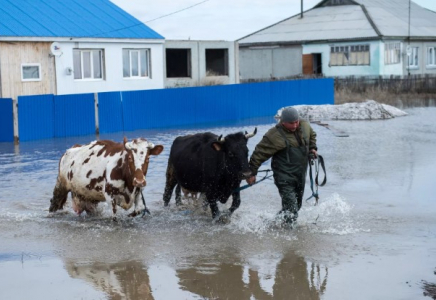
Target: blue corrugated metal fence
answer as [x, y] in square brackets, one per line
[35, 117]
[74, 115]
[196, 105]
[6, 120]
[48, 116]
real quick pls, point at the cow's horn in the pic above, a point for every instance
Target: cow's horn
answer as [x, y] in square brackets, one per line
[249, 135]
[150, 145]
[221, 139]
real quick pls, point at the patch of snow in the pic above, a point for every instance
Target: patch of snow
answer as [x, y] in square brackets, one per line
[369, 110]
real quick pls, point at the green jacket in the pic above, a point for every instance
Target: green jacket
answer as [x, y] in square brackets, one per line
[273, 145]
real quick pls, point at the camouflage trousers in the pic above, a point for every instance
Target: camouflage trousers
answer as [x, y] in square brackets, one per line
[292, 196]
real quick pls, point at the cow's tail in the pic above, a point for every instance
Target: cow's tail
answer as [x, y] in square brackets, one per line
[60, 194]
[170, 183]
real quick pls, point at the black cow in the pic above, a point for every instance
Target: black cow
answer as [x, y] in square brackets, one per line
[211, 165]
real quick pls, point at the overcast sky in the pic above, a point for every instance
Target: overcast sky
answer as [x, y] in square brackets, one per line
[217, 19]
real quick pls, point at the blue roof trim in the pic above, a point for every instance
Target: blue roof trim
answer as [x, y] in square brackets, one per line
[70, 18]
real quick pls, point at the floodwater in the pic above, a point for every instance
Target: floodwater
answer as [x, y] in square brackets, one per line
[372, 236]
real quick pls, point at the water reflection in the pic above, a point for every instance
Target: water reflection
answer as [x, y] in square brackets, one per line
[122, 280]
[293, 278]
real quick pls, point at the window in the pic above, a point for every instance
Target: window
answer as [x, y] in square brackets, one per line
[31, 72]
[88, 64]
[217, 62]
[356, 55]
[431, 57]
[178, 63]
[392, 53]
[413, 58]
[136, 63]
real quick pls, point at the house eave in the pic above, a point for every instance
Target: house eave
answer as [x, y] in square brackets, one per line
[328, 41]
[78, 39]
[296, 43]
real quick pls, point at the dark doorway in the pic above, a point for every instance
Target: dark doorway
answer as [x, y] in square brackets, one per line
[178, 63]
[317, 63]
[217, 62]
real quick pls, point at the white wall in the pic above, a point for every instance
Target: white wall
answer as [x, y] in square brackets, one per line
[264, 62]
[198, 63]
[113, 68]
[342, 71]
[423, 68]
[391, 69]
[377, 65]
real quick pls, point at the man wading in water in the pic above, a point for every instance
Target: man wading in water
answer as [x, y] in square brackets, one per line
[289, 144]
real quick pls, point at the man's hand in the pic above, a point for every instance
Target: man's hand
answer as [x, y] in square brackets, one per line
[251, 180]
[314, 153]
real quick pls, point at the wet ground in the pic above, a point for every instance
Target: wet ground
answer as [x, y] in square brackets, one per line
[372, 236]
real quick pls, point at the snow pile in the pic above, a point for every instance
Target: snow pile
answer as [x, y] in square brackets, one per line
[369, 110]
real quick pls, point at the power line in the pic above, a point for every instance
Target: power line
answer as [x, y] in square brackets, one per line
[142, 23]
[176, 12]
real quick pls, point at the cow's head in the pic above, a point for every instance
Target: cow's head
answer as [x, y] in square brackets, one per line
[235, 150]
[138, 155]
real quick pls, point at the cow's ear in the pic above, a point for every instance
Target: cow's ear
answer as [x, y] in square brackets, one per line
[156, 150]
[125, 140]
[217, 146]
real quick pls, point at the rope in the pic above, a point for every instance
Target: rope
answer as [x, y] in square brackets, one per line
[145, 206]
[248, 185]
[316, 162]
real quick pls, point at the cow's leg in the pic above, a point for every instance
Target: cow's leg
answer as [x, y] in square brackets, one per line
[60, 194]
[114, 209]
[110, 195]
[214, 209]
[236, 197]
[169, 184]
[139, 206]
[178, 195]
[202, 198]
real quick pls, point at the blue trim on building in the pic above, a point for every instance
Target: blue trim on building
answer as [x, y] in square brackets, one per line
[74, 18]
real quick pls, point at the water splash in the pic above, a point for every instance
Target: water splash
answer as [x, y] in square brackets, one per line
[333, 215]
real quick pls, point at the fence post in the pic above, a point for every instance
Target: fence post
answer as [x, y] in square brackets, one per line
[97, 126]
[15, 114]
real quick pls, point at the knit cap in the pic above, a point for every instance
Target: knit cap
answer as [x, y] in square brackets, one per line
[289, 114]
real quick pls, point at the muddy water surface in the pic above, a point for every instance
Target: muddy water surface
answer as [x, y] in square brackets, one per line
[372, 236]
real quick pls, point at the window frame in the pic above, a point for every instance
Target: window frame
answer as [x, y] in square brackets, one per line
[431, 57]
[415, 55]
[392, 53]
[147, 63]
[91, 66]
[31, 65]
[350, 55]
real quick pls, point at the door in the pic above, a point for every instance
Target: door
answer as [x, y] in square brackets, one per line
[307, 64]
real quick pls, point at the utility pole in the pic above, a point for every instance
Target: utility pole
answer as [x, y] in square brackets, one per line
[301, 9]
[409, 50]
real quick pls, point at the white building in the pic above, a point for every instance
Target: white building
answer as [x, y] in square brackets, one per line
[342, 38]
[197, 63]
[57, 47]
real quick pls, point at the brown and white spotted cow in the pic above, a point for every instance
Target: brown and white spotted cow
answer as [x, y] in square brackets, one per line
[104, 171]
